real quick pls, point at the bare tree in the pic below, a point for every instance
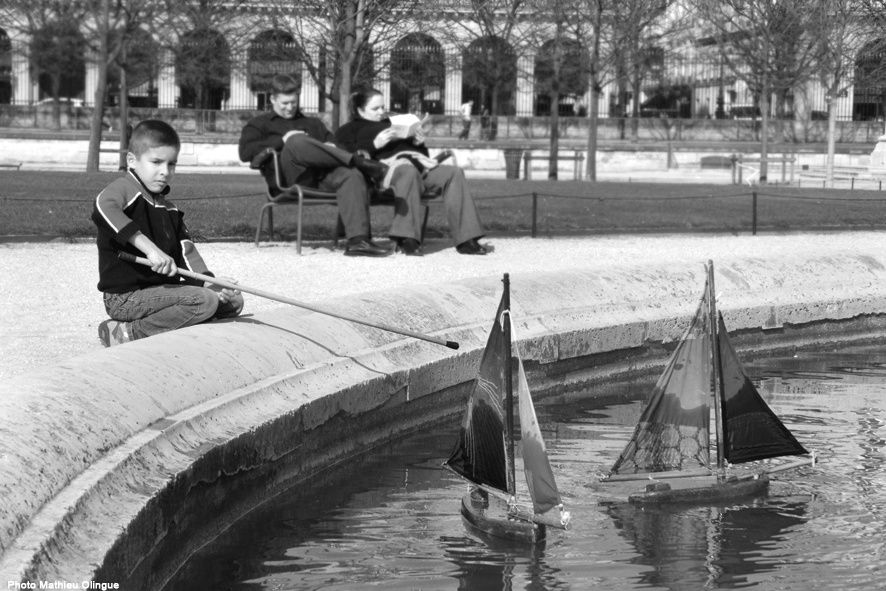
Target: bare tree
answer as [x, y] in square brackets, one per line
[57, 45]
[597, 29]
[562, 66]
[490, 37]
[349, 36]
[200, 37]
[870, 65]
[841, 31]
[637, 28]
[767, 43]
[112, 32]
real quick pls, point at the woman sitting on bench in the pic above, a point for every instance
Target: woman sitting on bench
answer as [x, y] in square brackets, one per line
[410, 174]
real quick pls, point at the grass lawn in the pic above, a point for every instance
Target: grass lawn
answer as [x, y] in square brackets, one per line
[225, 206]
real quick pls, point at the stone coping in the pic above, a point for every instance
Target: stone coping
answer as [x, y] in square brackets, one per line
[99, 455]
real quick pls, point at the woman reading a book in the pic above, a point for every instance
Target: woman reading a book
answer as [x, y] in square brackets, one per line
[399, 142]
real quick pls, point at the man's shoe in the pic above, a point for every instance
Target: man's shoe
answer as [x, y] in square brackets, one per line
[366, 248]
[373, 169]
[410, 247]
[471, 246]
[113, 332]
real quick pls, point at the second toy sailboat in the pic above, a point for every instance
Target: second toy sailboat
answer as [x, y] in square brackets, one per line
[484, 452]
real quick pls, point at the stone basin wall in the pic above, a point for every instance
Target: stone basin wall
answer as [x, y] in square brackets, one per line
[116, 466]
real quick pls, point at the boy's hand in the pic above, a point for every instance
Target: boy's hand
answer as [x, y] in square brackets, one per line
[162, 263]
[225, 295]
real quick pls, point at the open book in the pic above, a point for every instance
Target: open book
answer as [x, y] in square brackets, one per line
[406, 125]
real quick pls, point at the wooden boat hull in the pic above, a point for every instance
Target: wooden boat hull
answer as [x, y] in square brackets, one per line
[490, 518]
[691, 490]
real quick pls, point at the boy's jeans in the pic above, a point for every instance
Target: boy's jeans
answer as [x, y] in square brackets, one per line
[163, 308]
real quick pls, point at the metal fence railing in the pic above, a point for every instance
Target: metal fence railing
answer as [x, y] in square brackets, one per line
[230, 122]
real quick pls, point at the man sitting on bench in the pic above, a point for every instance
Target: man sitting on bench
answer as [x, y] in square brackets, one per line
[309, 157]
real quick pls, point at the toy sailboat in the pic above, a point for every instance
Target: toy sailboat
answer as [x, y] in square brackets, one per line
[668, 458]
[484, 452]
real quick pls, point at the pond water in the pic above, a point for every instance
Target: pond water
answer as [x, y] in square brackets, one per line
[393, 521]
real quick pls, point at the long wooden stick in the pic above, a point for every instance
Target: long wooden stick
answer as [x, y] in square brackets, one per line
[278, 298]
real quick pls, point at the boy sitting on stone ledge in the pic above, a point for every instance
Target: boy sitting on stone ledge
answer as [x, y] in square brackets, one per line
[133, 215]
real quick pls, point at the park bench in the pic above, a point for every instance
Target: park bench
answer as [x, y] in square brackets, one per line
[718, 161]
[10, 164]
[577, 157]
[742, 162]
[279, 194]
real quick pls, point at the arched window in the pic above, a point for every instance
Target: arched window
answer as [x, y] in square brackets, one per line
[418, 75]
[140, 57]
[364, 68]
[489, 76]
[329, 70]
[563, 65]
[869, 96]
[5, 68]
[271, 53]
[203, 70]
[57, 62]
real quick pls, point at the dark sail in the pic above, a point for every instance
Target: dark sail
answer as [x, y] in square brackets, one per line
[673, 432]
[751, 431]
[479, 454]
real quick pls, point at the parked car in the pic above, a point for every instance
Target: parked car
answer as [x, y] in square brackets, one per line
[744, 112]
[63, 101]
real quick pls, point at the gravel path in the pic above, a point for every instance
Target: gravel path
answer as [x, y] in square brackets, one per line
[48, 329]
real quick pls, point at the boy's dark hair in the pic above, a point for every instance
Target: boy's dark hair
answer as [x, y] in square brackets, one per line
[285, 84]
[152, 133]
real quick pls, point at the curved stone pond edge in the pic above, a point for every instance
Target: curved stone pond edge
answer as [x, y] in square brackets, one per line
[117, 466]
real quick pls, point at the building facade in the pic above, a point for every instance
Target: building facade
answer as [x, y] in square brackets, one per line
[425, 67]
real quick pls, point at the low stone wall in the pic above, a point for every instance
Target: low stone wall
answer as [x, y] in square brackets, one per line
[215, 156]
[116, 466]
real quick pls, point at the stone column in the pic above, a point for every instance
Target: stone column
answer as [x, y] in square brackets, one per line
[241, 96]
[525, 85]
[310, 92]
[167, 89]
[452, 98]
[877, 165]
[384, 79]
[91, 82]
[21, 74]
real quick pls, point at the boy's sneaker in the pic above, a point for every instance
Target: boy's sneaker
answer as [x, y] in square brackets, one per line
[113, 332]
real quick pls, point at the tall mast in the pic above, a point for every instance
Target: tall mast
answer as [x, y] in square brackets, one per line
[509, 387]
[718, 368]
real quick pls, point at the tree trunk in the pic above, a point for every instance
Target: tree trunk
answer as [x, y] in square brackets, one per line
[764, 133]
[98, 110]
[594, 116]
[344, 95]
[124, 118]
[635, 105]
[555, 134]
[832, 141]
[594, 107]
[56, 103]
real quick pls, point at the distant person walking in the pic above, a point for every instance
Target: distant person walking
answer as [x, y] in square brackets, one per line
[466, 109]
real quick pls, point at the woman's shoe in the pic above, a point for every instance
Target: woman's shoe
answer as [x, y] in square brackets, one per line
[410, 247]
[471, 246]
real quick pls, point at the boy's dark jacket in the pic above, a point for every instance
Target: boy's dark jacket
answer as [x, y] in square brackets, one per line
[125, 207]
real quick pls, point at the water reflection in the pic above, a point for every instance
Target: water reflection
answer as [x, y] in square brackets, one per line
[705, 547]
[492, 564]
[392, 521]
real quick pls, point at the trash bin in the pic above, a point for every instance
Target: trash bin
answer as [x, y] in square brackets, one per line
[512, 162]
